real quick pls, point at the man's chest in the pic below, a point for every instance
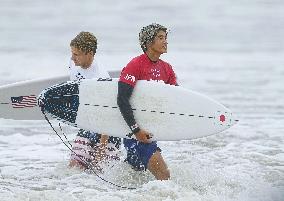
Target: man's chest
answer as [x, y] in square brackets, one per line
[154, 72]
[84, 74]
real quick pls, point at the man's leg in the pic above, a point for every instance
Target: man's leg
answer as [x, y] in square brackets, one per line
[158, 167]
[80, 154]
[77, 164]
[82, 150]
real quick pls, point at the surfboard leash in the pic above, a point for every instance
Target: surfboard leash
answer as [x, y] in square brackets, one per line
[64, 135]
[89, 164]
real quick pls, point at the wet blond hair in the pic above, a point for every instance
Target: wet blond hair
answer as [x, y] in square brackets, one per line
[85, 41]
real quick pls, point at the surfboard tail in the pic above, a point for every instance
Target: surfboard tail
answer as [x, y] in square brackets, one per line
[61, 101]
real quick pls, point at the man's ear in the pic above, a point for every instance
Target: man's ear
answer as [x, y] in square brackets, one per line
[148, 45]
[91, 53]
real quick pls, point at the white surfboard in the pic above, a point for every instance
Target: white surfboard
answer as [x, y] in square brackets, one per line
[18, 100]
[168, 112]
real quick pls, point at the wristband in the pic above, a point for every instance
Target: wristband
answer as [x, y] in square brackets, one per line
[135, 129]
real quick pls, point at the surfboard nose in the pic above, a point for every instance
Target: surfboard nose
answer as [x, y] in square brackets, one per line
[60, 101]
[232, 119]
[225, 119]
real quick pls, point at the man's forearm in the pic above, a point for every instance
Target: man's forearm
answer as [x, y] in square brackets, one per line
[123, 97]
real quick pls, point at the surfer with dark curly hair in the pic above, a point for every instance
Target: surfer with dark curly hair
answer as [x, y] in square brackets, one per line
[142, 153]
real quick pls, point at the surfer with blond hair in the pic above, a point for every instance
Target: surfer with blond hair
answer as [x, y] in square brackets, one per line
[88, 146]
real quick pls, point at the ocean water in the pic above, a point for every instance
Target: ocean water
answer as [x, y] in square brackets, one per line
[232, 51]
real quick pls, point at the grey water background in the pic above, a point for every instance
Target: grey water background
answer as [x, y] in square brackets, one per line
[232, 51]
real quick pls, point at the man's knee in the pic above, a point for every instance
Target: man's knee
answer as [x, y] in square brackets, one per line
[158, 167]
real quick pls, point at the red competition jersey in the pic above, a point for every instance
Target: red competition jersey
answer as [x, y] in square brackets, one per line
[142, 68]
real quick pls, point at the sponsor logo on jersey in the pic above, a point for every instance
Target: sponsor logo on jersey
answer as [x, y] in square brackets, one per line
[156, 72]
[130, 77]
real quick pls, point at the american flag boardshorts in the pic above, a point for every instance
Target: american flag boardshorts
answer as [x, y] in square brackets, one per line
[86, 146]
